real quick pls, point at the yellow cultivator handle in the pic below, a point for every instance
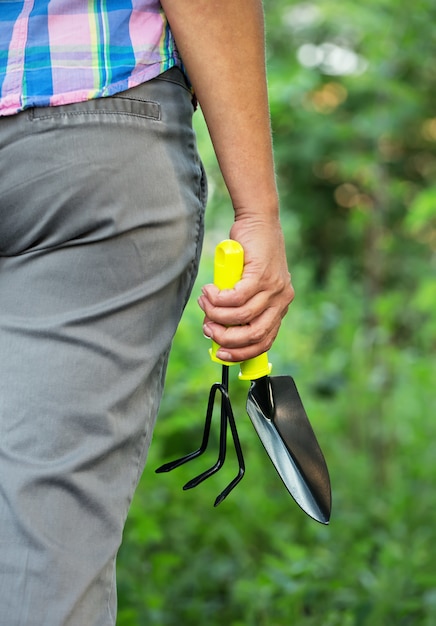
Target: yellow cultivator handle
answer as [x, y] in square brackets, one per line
[228, 268]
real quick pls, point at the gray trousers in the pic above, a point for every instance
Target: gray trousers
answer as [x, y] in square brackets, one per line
[101, 224]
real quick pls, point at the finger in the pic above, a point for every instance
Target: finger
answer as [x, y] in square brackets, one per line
[246, 352]
[266, 293]
[235, 316]
[261, 332]
[242, 292]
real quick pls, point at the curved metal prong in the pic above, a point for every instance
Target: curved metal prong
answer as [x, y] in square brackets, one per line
[199, 479]
[225, 492]
[240, 456]
[167, 467]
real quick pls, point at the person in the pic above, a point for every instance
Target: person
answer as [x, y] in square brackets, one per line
[102, 196]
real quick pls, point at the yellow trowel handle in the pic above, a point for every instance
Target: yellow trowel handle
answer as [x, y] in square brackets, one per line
[228, 268]
[255, 368]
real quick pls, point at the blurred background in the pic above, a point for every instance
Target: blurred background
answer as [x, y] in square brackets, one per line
[353, 102]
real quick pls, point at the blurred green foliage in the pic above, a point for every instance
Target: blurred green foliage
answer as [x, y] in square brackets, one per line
[353, 112]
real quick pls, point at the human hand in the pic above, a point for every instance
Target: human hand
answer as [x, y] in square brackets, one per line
[244, 321]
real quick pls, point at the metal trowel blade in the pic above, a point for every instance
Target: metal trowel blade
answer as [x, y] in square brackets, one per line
[275, 408]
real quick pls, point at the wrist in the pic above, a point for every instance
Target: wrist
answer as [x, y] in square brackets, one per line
[258, 207]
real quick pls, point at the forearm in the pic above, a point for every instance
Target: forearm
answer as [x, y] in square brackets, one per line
[222, 46]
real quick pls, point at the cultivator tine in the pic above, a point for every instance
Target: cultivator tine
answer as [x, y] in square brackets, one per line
[167, 467]
[239, 455]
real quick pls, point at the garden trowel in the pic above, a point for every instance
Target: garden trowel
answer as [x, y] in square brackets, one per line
[277, 413]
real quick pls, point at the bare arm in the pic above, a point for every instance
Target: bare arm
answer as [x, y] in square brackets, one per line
[222, 46]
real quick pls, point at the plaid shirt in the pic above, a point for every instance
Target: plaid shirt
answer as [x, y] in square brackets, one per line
[56, 52]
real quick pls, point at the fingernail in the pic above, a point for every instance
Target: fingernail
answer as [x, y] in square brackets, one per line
[224, 356]
[207, 331]
[205, 289]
